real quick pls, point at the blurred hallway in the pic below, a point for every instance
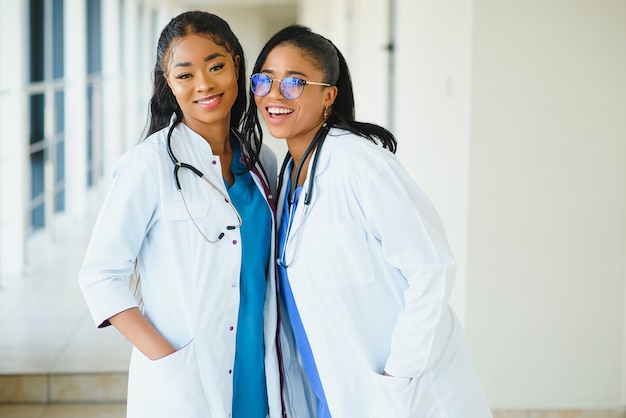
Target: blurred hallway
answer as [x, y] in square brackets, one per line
[53, 359]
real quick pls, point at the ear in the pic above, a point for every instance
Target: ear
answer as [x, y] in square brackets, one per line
[330, 94]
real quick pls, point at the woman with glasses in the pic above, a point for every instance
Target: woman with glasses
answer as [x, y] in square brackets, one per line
[191, 208]
[365, 271]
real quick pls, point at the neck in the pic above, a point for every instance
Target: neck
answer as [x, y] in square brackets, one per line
[297, 152]
[221, 147]
[301, 173]
[298, 145]
[216, 134]
[301, 158]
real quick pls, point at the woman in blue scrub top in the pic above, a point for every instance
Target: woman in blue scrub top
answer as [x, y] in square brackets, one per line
[192, 208]
[364, 265]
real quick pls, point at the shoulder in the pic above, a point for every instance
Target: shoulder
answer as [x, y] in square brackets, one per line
[356, 151]
[144, 156]
[363, 164]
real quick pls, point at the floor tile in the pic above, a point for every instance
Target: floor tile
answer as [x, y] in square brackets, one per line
[23, 388]
[88, 387]
[576, 414]
[22, 411]
[85, 411]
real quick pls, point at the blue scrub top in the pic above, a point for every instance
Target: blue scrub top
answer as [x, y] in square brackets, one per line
[302, 341]
[249, 385]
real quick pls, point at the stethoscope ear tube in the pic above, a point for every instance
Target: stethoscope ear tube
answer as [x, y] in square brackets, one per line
[178, 164]
[317, 143]
[309, 193]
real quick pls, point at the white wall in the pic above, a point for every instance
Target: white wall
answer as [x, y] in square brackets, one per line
[548, 202]
[362, 35]
[432, 111]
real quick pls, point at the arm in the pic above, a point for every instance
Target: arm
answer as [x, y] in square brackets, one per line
[412, 240]
[126, 216]
[134, 326]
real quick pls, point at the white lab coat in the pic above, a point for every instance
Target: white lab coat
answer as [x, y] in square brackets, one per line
[371, 273]
[190, 288]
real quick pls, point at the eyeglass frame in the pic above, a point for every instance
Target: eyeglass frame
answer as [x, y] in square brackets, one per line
[280, 85]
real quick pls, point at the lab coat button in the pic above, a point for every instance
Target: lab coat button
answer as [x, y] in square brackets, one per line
[214, 162]
[232, 328]
[234, 242]
[230, 372]
[234, 284]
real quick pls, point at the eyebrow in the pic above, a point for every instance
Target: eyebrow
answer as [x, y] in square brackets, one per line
[288, 73]
[206, 59]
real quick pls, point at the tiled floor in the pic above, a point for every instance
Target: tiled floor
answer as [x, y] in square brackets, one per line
[50, 350]
[109, 410]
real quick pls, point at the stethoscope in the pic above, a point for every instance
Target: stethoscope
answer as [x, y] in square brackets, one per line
[316, 144]
[177, 166]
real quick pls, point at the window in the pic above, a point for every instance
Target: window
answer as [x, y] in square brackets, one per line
[47, 111]
[94, 93]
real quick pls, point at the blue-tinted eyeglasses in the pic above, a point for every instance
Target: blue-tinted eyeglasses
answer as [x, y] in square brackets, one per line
[290, 87]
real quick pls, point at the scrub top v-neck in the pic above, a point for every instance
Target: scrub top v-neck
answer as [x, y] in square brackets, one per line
[249, 385]
[302, 341]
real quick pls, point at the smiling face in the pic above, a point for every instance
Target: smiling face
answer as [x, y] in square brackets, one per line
[203, 78]
[295, 120]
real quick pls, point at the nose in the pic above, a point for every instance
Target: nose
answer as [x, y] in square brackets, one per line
[275, 88]
[204, 81]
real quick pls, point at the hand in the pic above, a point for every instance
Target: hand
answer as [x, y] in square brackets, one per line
[168, 351]
[134, 326]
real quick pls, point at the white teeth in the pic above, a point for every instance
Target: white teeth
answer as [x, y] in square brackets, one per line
[206, 101]
[279, 110]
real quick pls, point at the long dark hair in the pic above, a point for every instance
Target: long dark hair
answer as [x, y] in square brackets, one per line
[163, 103]
[326, 57]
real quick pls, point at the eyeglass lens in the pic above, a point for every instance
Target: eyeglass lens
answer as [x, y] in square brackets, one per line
[290, 87]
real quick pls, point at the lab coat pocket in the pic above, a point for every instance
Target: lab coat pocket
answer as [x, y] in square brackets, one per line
[395, 396]
[192, 209]
[340, 255]
[172, 385]
[186, 220]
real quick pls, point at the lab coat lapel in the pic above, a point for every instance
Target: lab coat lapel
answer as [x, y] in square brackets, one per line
[302, 211]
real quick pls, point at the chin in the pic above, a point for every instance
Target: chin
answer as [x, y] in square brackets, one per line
[277, 133]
